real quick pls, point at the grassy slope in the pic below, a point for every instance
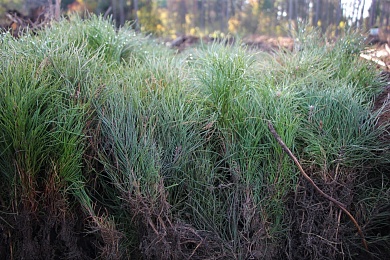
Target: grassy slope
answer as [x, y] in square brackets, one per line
[160, 155]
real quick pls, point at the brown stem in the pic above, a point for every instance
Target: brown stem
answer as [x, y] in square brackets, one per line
[323, 194]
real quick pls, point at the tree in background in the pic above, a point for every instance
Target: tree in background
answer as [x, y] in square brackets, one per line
[220, 17]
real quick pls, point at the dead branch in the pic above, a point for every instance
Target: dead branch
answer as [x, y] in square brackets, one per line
[307, 177]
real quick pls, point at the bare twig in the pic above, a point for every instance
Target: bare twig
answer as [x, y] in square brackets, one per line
[338, 203]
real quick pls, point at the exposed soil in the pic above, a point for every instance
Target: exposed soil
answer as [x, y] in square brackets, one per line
[268, 44]
[49, 235]
[259, 42]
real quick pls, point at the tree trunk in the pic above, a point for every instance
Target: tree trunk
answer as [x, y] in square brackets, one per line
[57, 10]
[361, 18]
[373, 13]
[338, 17]
[114, 11]
[121, 11]
[136, 15]
[316, 13]
[202, 17]
[290, 14]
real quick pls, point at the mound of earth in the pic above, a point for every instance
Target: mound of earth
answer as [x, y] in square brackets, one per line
[260, 42]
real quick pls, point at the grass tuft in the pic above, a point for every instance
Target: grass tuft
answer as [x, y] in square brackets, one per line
[107, 137]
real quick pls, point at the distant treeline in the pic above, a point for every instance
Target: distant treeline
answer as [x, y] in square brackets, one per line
[219, 17]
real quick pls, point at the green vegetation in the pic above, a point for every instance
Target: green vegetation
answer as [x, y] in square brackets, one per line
[115, 147]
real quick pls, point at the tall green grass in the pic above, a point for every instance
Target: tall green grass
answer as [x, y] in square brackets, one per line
[161, 152]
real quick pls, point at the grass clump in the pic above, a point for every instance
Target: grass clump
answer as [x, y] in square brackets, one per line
[113, 147]
[42, 149]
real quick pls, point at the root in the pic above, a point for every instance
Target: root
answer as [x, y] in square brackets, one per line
[307, 177]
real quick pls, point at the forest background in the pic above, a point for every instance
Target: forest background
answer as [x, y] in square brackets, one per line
[216, 18]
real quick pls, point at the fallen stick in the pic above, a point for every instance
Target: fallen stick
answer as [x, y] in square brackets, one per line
[307, 177]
